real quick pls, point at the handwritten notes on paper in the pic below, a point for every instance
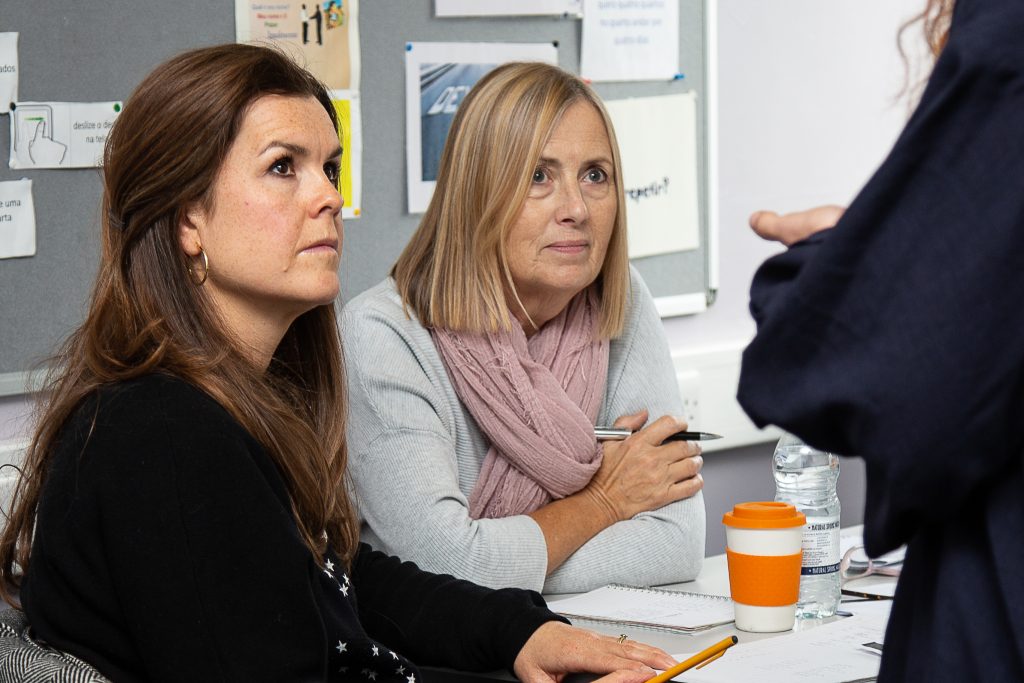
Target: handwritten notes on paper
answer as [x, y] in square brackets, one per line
[658, 141]
[17, 219]
[630, 40]
[60, 134]
[8, 70]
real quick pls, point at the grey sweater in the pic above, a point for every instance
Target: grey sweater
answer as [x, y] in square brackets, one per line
[415, 454]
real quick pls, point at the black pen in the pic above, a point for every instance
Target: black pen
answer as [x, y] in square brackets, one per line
[618, 434]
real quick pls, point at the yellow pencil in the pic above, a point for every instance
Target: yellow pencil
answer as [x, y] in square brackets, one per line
[713, 652]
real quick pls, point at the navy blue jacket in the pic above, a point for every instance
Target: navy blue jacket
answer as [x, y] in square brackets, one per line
[898, 336]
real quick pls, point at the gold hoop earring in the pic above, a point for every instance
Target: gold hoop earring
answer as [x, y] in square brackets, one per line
[206, 270]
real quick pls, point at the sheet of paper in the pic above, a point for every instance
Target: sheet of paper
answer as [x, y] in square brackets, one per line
[630, 40]
[475, 8]
[17, 219]
[8, 70]
[325, 35]
[60, 134]
[830, 652]
[346, 103]
[438, 76]
[658, 141]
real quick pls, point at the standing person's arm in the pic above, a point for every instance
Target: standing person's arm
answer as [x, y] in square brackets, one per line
[898, 337]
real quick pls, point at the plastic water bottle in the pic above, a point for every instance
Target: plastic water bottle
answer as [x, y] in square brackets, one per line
[806, 478]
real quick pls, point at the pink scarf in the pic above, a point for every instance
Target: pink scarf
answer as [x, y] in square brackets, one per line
[536, 401]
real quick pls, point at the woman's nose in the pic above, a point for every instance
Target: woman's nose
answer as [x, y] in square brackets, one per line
[572, 206]
[327, 197]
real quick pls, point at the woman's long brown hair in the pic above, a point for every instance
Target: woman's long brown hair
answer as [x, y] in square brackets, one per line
[937, 17]
[146, 315]
[935, 20]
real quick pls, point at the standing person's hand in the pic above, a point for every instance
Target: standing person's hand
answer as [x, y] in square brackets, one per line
[556, 649]
[642, 473]
[793, 227]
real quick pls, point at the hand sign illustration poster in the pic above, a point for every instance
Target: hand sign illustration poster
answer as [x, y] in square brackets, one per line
[60, 134]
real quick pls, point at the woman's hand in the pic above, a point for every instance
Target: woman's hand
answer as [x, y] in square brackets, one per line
[793, 227]
[636, 475]
[556, 649]
[641, 473]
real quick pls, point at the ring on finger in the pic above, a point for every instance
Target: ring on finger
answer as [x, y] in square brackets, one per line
[623, 638]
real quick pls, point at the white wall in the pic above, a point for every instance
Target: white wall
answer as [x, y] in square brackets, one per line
[806, 111]
[807, 108]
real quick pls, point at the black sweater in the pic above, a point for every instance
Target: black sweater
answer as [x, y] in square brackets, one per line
[166, 550]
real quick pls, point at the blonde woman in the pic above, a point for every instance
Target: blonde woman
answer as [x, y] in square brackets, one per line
[511, 325]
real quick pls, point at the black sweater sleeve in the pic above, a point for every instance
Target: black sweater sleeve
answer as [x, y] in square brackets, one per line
[440, 620]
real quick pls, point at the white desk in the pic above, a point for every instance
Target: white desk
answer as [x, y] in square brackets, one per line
[712, 580]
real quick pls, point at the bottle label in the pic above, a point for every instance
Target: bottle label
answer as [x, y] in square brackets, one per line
[820, 546]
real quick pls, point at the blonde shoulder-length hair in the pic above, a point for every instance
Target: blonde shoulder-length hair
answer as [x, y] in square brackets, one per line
[454, 272]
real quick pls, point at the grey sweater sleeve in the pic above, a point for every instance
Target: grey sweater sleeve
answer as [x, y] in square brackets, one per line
[415, 454]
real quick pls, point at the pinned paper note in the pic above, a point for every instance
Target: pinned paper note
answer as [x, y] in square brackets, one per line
[475, 8]
[17, 219]
[8, 70]
[346, 104]
[658, 142]
[630, 40]
[438, 76]
[324, 36]
[60, 134]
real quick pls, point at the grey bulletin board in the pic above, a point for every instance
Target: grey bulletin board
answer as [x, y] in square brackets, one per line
[95, 50]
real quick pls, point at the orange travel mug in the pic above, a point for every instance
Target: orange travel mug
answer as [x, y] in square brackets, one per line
[763, 547]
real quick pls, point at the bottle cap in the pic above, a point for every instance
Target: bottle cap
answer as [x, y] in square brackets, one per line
[764, 515]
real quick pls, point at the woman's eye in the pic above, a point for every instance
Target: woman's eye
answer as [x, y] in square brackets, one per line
[539, 176]
[282, 167]
[596, 175]
[333, 172]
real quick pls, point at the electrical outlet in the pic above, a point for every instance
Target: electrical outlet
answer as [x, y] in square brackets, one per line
[689, 388]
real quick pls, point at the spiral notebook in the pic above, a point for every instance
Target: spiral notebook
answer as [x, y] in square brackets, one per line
[655, 608]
